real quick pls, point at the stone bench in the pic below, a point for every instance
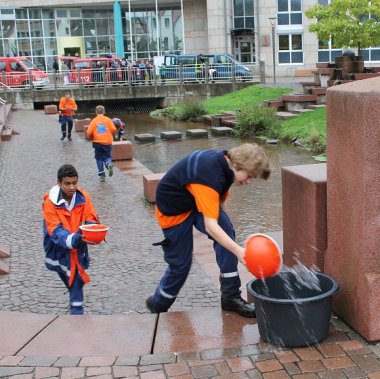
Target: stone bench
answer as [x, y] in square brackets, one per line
[51, 109]
[79, 124]
[122, 150]
[304, 213]
[150, 183]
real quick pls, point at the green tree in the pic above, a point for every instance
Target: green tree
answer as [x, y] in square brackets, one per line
[350, 23]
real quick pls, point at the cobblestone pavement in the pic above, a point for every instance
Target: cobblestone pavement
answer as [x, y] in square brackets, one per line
[123, 271]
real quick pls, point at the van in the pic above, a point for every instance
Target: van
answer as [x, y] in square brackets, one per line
[21, 72]
[191, 65]
[220, 65]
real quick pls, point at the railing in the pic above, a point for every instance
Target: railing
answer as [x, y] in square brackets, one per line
[129, 76]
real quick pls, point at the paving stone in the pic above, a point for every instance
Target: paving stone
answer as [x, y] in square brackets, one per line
[72, 372]
[67, 362]
[269, 365]
[158, 359]
[221, 130]
[97, 361]
[5, 251]
[124, 371]
[8, 371]
[38, 361]
[46, 372]
[205, 370]
[4, 268]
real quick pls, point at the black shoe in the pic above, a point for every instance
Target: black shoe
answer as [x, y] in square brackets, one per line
[69, 138]
[238, 305]
[62, 138]
[149, 305]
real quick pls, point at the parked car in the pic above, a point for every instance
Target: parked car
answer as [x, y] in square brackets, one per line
[185, 66]
[21, 72]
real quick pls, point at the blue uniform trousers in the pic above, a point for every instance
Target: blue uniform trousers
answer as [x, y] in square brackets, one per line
[178, 252]
[66, 120]
[75, 291]
[103, 157]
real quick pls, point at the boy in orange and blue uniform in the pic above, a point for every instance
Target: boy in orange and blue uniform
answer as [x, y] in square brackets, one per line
[191, 194]
[67, 107]
[101, 131]
[120, 129]
[65, 208]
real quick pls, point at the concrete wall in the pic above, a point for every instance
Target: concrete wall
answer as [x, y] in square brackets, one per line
[353, 202]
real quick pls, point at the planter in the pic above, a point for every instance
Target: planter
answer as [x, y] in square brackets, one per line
[289, 314]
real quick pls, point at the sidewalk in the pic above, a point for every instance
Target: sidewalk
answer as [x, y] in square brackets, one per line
[118, 338]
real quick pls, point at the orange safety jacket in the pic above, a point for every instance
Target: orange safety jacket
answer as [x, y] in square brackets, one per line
[101, 130]
[60, 225]
[67, 106]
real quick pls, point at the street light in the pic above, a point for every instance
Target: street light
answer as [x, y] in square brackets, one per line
[273, 21]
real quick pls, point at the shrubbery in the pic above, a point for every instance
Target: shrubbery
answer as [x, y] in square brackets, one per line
[189, 110]
[255, 121]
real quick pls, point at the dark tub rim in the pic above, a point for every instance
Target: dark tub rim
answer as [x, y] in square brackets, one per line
[322, 295]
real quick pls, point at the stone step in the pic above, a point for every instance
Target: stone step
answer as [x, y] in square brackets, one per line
[171, 135]
[285, 115]
[221, 130]
[145, 137]
[315, 106]
[6, 134]
[197, 133]
[304, 110]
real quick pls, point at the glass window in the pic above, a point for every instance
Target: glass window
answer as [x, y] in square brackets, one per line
[22, 29]
[88, 13]
[10, 47]
[35, 14]
[90, 46]
[49, 28]
[37, 46]
[8, 29]
[36, 28]
[250, 22]
[21, 14]
[290, 48]
[295, 5]
[167, 23]
[63, 28]
[102, 27]
[24, 47]
[283, 19]
[7, 11]
[296, 18]
[1, 49]
[47, 14]
[239, 22]
[89, 27]
[61, 13]
[2, 66]
[101, 13]
[238, 7]
[282, 5]
[51, 46]
[104, 45]
[76, 28]
[75, 13]
[249, 8]
[375, 54]
[289, 10]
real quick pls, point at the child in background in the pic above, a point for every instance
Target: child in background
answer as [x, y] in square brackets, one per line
[67, 107]
[120, 129]
[101, 131]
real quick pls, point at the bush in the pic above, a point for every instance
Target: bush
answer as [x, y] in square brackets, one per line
[255, 121]
[190, 111]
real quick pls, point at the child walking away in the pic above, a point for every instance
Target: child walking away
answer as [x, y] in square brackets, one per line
[191, 194]
[65, 208]
[120, 129]
[67, 107]
[101, 131]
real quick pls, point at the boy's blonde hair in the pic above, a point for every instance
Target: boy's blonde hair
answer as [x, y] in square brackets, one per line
[100, 109]
[251, 158]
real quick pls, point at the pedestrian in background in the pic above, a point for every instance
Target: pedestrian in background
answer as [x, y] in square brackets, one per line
[65, 208]
[67, 107]
[101, 131]
[120, 129]
[65, 70]
[191, 194]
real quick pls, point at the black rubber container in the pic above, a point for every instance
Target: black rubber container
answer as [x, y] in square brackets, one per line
[289, 314]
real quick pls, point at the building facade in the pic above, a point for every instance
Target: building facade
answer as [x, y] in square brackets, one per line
[142, 29]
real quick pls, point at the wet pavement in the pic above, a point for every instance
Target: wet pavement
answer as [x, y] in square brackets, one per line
[124, 271]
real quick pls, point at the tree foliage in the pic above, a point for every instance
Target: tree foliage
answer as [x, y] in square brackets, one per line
[350, 23]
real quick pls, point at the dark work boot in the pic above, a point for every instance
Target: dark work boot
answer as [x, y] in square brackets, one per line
[63, 137]
[149, 304]
[238, 305]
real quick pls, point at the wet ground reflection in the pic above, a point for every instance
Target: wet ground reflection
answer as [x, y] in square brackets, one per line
[253, 208]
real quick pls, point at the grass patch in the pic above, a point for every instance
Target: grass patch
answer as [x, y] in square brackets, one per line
[309, 128]
[246, 97]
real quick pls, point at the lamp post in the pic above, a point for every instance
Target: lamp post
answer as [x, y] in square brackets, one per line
[273, 21]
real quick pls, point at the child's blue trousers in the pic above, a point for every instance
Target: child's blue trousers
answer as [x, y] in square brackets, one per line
[103, 156]
[178, 253]
[75, 291]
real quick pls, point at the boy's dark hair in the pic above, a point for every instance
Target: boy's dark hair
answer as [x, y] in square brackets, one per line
[67, 170]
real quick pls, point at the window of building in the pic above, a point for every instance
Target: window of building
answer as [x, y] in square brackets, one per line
[289, 12]
[290, 48]
[167, 23]
[244, 14]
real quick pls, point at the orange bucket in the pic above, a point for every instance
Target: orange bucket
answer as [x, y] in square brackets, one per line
[263, 256]
[94, 232]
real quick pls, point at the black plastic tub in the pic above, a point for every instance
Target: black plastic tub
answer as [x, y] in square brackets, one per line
[289, 314]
